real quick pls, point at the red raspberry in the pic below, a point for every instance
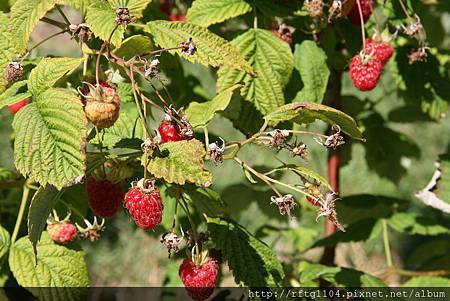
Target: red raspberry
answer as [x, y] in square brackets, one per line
[14, 108]
[169, 131]
[62, 232]
[382, 51]
[199, 281]
[104, 197]
[312, 201]
[145, 206]
[180, 18]
[365, 72]
[366, 8]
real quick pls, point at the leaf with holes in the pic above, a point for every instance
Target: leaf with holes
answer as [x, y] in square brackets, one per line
[56, 266]
[49, 71]
[25, 15]
[49, 142]
[184, 163]
[207, 12]
[253, 262]
[272, 61]
[212, 50]
[41, 205]
[200, 114]
[304, 113]
[11, 96]
[310, 60]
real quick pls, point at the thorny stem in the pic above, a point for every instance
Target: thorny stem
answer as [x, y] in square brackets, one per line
[387, 248]
[362, 24]
[23, 204]
[63, 15]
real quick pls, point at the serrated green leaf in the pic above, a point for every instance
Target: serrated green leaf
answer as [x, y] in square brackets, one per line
[134, 45]
[305, 172]
[412, 223]
[427, 281]
[206, 200]
[57, 266]
[49, 71]
[253, 262]
[125, 91]
[126, 127]
[4, 243]
[41, 205]
[7, 51]
[9, 97]
[342, 277]
[25, 14]
[77, 4]
[310, 60]
[207, 12]
[249, 176]
[200, 114]
[49, 142]
[184, 163]
[212, 50]
[272, 62]
[136, 7]
[303, 113]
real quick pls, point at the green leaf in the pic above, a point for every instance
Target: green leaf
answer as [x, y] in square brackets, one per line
[184, 163]
[4, 243]
[7, 51]
[304, 172]
[343, 277]
[49, 142]
[25, 15]
[443, 186]
[49, 71]
[207, 201]
[272, 62]
[207, 12]
[427, 281]
[125, 91]
[134, 45]
[6, 175]
[310, 60]
[212, 50]
[126, 127]
[412, 223]
[9, 97]
[253, 262]
[41, 205]
[303, 113]
[77, 4]
[57, 266]
[200, 114]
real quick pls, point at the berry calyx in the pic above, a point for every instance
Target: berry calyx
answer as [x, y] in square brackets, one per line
[101, 104]
[143, 202]
[14, 108]
[365, 72]
[61, 231]
[381, 50]
[366, 9]
[199, 280]
[104, 197]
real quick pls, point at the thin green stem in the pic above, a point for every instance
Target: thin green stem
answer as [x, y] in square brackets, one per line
[205, 130]
[23, 204]
[43, 41]
[387, 248]
[63, 15]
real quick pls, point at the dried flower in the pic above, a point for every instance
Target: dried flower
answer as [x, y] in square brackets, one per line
[314, 8]
[335, 10]
[123, 16]
[418, 55]
[278, 138]
[13, 72]
[188, 47]
[328, 209]
[81, 31]
[92, 231]
[285, 203]
[216, 152]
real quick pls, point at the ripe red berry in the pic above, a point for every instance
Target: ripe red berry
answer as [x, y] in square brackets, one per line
[180, 18]
[62, 232]
[101, 105]
[104, 197]
[365, 72]
[312, 201]
[169, 131]
[199, 281]
[366, 9]
[14, 108]
[144, 205]
[381, 50]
